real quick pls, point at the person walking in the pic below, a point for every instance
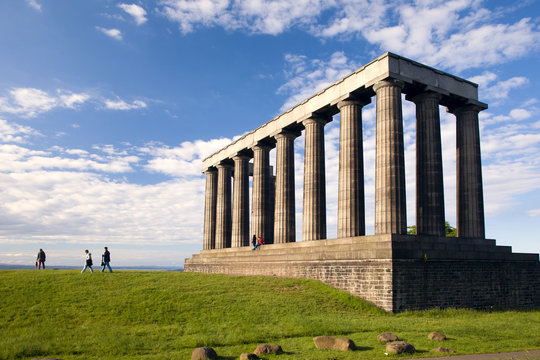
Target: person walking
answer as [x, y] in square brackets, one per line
[88, 262]
[105, 260]
[261, 242]
[41, 259]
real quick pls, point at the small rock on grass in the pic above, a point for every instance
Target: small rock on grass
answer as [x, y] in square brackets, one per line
[387, 337]
[248, 356]
[203, 353]
[436, 336]
[333, 343]
[398, 347]
[266, 349]
[443, 350]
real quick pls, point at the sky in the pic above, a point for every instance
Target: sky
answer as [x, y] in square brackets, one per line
[107, 109]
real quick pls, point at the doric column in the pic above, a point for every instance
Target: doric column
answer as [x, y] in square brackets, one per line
[284, 215]
[223, 215]
[210, 201]
[351, 208]
[390, 204]
[240, 212]
[470, 198]
[314, 216]
[261, 190]
[429, 167]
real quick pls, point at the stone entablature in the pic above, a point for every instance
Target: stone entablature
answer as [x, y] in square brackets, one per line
[415, 76]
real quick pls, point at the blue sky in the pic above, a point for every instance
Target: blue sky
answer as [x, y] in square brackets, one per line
[107, 109]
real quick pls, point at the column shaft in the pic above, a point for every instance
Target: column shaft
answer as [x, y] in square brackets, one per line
[210, 201]
[470, 198]
[314, 216]
[260, 191]
[351, 208]
[390, 203]
[223, 215]
[429, 167]
[284, 215]
[240, 212]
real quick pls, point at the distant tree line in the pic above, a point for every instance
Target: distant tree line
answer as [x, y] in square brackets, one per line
[449, 230]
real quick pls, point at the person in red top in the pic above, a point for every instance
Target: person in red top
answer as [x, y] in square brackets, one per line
[261, 242]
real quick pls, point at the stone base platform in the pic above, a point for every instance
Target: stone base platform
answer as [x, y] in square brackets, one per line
[395, 272]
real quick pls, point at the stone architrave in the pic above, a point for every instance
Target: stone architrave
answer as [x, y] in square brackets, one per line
[223, 208]
[429, 167]
[284, 215]
[240, 212]
[261, 190]
[314, 216]
[210, 202]
[351, 207]
[470, 198]
[390, 202]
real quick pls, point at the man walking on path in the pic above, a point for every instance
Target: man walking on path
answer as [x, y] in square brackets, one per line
[41, 259]
[105, 260]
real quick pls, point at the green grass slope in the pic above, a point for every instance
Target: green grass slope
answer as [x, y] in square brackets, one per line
[165, 315]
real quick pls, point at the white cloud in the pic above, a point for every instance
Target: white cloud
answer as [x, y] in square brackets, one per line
[305, 77]
[34, 4]
[119, 104]
[30, 102]
[14, 133]
[520, 114]
[113, 33]
[493, 90]
[138, 13]
[432, 32]
[534, 212]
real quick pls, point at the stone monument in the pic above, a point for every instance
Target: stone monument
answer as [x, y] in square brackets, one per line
[391, 269]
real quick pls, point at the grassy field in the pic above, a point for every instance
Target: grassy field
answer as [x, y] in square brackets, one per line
[165, 315]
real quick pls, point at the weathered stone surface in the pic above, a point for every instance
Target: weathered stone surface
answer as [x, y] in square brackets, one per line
[203, 353]
[333, 343]
[443, 350]
[387, 337]
[266, 349]
[398, 347]
[248, 356]
[436, 336]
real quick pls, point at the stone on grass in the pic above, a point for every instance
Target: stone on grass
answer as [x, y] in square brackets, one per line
[333, 343]
[248, 356]
[387, 337]
[398, 347]
[203, 353]
[436, 336]
[443, 350]
[266, 349]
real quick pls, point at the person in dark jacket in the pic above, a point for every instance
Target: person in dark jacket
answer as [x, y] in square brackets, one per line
[105, 260]
[41, 259]
[254, 240]
[261, 242]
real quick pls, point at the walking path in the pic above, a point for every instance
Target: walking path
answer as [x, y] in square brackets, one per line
[516, 355]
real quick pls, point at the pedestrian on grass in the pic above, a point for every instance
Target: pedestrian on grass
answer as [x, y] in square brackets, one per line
[105, 260]
[254, 240]
[41, 259]
[261, 242]
[88, 262]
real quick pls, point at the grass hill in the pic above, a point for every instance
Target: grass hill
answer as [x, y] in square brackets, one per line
[165, 315]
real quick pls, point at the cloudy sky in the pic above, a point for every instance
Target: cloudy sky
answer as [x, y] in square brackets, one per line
[107, 109]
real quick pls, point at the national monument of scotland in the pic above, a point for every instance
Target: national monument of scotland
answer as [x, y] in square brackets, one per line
[391, 269]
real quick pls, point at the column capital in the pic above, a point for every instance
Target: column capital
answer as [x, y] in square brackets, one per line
[388, 82]
[354, 101]
[287, 135]
[210, 170]
[426, 95]
[456, 110]
[241, 157]
[315, 119]
[224, 165]
[262, 146]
